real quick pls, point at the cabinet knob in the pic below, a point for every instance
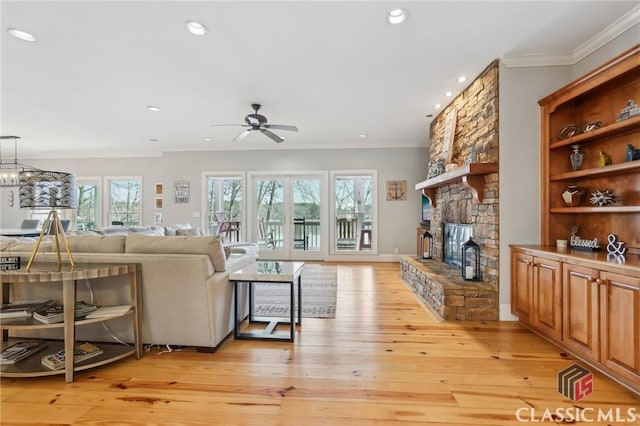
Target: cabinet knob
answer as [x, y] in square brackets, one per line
[599, 281]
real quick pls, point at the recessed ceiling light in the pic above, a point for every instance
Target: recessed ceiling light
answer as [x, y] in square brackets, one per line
[462, 79]
[363, 135]
[22, 35]
[429, 115]
[154, 140]
[448, 94]
[397, 16]
[196, 28]
[153, 108]
[207, 139]
[437, 106]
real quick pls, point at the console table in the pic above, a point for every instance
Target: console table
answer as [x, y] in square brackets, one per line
[268, 272]
[68, 276]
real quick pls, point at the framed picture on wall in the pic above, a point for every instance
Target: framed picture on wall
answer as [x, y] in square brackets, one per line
[396, 190]
[426, 212]
[158, 202]
[158, 189]
[182, 192]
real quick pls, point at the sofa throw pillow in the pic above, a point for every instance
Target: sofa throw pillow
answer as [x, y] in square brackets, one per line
[187, 232]
[211, 246]
[171, 229]
[97, 243]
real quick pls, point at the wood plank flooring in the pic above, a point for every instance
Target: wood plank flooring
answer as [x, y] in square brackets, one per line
[384, 360]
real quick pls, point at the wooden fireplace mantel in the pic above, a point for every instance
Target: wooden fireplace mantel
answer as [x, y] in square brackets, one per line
[470, 175]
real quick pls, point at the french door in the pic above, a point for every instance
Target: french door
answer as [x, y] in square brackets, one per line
[288, 212]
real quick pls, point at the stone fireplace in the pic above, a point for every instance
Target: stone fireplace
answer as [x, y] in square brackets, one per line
[464, 203]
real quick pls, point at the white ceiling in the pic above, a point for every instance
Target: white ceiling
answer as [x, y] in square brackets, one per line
[334, 69]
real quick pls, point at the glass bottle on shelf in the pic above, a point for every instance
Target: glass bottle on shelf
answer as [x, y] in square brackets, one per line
[576, 157]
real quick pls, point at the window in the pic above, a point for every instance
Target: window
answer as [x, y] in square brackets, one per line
[124, 200]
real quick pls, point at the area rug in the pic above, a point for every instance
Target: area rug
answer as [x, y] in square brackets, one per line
[319, 290]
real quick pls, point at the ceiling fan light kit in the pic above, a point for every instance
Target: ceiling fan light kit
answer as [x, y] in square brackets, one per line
[258, 123]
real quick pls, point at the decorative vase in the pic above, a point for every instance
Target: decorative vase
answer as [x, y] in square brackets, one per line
[576, 157]
[572, 196]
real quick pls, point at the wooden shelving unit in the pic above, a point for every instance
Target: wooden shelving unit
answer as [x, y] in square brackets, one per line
[579, 299]
[596, 97]
[470, 175]
[67, 278]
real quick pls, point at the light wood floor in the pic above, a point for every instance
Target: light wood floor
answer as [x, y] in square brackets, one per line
[384, 360]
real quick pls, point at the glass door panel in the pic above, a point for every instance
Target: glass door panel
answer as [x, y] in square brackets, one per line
[269, 216]
[288, 216]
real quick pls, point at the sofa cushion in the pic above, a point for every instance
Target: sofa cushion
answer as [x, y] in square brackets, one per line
[97, 243]
[171, 229]
[211, 246]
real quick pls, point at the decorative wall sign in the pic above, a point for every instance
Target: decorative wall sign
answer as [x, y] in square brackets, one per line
[182, 192]
[578, 243]
[396, 190]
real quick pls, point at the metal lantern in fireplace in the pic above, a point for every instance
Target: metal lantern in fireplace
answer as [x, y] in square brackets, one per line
[471, 261]
[426, 245]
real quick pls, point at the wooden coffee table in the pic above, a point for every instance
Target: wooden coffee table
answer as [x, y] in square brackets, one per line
[268, 272]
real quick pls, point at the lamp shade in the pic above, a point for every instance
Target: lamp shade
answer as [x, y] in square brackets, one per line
[46, 189]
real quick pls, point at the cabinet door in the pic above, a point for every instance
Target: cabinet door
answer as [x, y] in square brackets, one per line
[547, 296]
[620, 324]
[581, 310]
[521, 285]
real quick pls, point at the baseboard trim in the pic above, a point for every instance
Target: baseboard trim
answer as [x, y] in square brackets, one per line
[505, 313]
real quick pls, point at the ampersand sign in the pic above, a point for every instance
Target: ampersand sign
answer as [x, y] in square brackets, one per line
[615, 247]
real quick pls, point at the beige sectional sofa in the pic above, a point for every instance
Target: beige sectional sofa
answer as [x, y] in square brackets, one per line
[187, 299]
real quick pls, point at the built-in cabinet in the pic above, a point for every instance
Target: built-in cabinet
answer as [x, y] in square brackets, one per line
[588, 302]
[582, 302]
[586, 117]
[536, 283]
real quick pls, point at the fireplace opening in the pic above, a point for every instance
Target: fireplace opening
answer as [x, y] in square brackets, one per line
[453, 237]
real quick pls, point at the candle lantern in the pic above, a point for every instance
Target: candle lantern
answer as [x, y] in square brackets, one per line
[426, 245]
[471, 261]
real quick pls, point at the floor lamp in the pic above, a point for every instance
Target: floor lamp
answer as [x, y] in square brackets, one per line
[53, 190]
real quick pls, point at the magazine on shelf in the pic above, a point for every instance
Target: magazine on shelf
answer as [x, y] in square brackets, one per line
[55, 313]
[82, 351]
[22, 308]
[21, 350]
[109, 311]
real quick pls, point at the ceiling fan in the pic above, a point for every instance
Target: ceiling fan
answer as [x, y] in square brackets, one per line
[257, 122]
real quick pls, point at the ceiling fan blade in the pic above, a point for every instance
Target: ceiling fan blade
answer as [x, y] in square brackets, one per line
[272, 135]
[229, 125]
[281, 127]
[242, 135]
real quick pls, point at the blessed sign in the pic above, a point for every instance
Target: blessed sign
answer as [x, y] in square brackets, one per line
[576, 242]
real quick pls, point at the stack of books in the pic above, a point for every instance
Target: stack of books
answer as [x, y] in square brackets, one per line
[23, 308]
[20, 350]
[82, 351]
[55, 313]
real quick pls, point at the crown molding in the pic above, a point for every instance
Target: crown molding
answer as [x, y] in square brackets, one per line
[537, 60]
[618, 27]
[605, 36]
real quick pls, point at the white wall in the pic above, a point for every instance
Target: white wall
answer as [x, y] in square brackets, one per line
[397, 220]
[520, 90]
